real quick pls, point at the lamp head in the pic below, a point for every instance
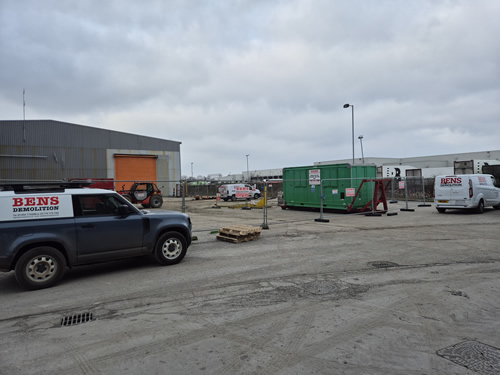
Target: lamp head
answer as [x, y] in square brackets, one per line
[346, 105]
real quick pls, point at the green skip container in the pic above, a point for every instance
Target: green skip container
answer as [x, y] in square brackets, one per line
[337, 184]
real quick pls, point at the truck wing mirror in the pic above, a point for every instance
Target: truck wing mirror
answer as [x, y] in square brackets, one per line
[123, 210]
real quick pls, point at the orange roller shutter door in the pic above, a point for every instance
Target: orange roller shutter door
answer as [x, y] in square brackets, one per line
[132, 168]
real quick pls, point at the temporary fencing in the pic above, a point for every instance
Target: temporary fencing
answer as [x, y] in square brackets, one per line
[367, 196]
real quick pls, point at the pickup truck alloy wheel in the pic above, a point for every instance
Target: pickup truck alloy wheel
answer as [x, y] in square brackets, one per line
[170, 248]
[41, 267]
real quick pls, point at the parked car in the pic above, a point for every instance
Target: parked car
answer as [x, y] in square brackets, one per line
[45, 228]
[470, 191]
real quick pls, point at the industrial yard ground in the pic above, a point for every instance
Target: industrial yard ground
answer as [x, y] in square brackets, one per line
[414, 293]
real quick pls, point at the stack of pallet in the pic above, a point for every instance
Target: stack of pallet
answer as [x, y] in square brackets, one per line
[238, 233]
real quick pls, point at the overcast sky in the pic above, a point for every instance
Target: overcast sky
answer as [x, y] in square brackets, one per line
[261, 77]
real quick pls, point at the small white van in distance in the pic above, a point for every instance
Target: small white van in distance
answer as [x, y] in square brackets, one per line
[237, 191]
[471, 191]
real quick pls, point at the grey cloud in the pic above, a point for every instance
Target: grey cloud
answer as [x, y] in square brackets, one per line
[267, 78]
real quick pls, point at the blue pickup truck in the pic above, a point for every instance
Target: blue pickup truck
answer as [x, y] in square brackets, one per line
[46, 228]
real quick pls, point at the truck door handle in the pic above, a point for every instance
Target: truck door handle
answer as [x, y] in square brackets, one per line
[88, 226]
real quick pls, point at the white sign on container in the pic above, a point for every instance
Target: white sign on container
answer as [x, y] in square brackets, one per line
[314, 177]
[350, 192]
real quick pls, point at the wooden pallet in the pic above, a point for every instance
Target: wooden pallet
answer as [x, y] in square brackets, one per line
[238, 233]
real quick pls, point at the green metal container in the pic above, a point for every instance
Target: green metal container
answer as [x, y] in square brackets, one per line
[303, 187]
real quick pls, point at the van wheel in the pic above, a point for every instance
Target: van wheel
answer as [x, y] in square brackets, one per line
[480, 207]
[441, 210]
[256, 196]
[233, 197]
[40, 267]
[225, 199]
[170, 248]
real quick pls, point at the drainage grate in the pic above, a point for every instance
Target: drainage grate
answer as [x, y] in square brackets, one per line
[474, 355]
[76, 319]
[383, 264]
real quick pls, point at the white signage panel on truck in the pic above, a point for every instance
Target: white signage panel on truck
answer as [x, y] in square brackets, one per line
[40, 206]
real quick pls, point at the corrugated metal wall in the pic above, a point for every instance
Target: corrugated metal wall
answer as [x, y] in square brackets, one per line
[54, 150]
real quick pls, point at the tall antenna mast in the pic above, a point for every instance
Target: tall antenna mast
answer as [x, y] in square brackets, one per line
[24, 117]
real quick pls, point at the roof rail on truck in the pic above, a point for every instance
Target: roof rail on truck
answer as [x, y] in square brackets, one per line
[38, 186]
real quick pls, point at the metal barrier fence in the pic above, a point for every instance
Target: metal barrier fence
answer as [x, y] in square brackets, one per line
[409, 189]
[418, 188]
[401, 188]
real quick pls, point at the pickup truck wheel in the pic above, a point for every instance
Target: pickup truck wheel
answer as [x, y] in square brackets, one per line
[441, 210]
[156, 201]
[480, 207]
[40, 267]
[170, 248]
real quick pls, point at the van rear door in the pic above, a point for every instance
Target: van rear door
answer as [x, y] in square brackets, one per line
[452, 189]
[460, 190]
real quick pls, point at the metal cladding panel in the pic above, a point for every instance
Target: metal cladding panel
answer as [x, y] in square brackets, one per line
[63, 134]
[299, 191]
[53, 150]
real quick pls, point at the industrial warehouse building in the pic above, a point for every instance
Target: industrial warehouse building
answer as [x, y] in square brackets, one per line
[47, 150]
[428, 166]
[420, 166]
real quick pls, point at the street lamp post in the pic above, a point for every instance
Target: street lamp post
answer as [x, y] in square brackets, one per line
[352, 106]
[192, 171]
[362, 154]
[248, 175]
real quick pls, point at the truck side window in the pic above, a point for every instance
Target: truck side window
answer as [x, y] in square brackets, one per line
[98, 205]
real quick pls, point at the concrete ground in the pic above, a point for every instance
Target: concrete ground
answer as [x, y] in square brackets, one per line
[356, 295]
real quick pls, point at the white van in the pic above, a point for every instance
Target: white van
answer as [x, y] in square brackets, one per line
[466, 191]
[237, 191]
